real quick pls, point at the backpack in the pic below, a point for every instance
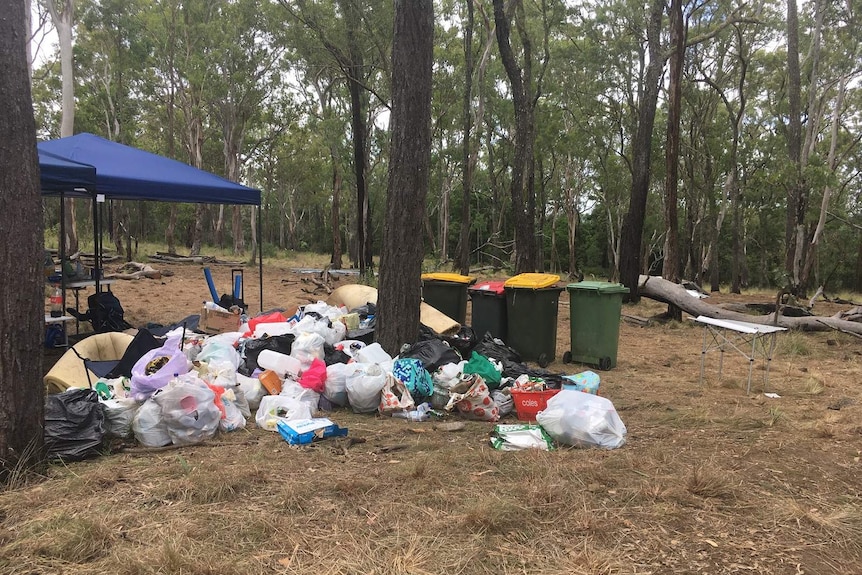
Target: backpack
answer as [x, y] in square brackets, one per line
[105, 313]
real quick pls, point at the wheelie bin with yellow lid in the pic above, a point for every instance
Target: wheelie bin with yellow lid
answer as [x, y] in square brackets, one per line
[531, 305]
[447, 292]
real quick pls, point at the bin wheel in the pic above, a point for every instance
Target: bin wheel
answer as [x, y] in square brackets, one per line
[567, 357]
[543, 360]
[605, 363]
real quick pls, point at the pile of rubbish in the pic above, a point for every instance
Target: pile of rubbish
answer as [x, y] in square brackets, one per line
[283, 371]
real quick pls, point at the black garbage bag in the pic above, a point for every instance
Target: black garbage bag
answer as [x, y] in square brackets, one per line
[515, 369]
[489, 347]
[464, 341]
[332, 355]
[252, 348]
[227, 301]
[432, 353]
[74, 425]
[143, 342]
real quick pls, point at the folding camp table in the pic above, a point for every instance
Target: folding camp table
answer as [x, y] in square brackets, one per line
[726, 334]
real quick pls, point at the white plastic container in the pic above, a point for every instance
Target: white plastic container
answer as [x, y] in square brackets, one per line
[279, 363]
[372, 353]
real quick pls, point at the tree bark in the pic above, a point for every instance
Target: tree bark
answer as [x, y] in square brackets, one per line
[670, 266]
[22, 394]
[795, 204]
[335, 215]
[463, 263]
[632, 230]
[63, 15]
[352, 19]
[660, 289]
[522, 161]
[410, 157]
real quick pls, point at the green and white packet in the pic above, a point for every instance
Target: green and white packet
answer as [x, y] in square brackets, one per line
[514, 437]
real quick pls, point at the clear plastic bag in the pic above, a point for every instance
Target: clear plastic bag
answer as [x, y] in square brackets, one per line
[307, 347]
[188, 410]
[302, 394]
[148, 426]
[582, 419]
[274, 408]
[119, 414]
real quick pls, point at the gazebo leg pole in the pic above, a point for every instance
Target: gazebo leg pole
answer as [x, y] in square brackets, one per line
[260, 253]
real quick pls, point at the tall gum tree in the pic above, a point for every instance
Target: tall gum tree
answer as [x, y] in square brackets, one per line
[22, 394]
[63, 17]
[410, 155]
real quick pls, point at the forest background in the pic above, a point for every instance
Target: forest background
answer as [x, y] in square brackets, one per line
[716, 141]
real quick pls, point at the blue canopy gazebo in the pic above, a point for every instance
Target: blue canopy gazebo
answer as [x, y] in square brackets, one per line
[126, 173]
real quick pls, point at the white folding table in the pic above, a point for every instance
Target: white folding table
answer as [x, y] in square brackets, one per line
[746, 338]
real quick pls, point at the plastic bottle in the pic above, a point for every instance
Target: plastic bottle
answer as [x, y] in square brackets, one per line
[56, 301]
[279, 363]
[372, 353]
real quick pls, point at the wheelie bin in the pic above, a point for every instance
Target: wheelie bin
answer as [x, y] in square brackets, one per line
[531, 306]
[489, 310]
[595, 322]
[448, 293]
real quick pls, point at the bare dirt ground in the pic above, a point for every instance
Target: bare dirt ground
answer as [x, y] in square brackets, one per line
[712, 480]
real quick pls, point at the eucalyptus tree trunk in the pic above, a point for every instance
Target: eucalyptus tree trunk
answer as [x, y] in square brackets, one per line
[633, 224]
[796, 204]
[670, 267]
[522, 161]
[63, 16]
[335, 215]
[22, 394]
[410, 157]
[352, 19]
[831, 163]
[463, 263]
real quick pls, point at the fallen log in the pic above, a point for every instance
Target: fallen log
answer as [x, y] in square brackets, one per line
[662, 290]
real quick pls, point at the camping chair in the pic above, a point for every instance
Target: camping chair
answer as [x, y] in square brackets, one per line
[141, 343]
[86, 361]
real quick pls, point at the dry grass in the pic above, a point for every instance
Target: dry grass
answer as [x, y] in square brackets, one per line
[712, 480]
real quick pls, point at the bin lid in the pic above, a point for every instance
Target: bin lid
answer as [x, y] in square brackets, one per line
[448, 277]
[600, 287]
[495, 287]
[532, 281]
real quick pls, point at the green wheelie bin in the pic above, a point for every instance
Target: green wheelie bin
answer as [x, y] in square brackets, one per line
[595, 320]
[489, 310]
[447, 292]
[531, 306]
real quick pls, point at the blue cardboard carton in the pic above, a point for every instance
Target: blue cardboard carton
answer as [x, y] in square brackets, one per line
[304, 431]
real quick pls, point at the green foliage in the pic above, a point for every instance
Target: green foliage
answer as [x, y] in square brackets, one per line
[261, 86]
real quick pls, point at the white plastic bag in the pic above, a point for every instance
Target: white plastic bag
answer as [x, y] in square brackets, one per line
[188, 410]
[302, 394]
[233, 417]
[336, 382]
[582, 419]
[307, 347]
[218, 352]
[364, 388]
[149, 428]
[119, 414]
[146, 378]
[274, 408]
[252, 389]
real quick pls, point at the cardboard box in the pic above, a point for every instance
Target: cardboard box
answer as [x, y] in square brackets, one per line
[218, 321]
[304, 431]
